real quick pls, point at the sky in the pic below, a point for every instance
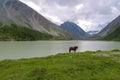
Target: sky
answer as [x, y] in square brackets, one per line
[88, 14]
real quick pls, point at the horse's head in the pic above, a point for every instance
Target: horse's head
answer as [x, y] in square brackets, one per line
[76, 47]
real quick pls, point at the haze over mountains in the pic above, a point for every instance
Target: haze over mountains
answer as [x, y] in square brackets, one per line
[14, 13]
[97, 29]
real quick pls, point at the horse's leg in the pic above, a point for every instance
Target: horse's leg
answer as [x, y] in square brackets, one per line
[69, 50]
[74, 50]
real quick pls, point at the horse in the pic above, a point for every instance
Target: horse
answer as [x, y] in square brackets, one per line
[73, 48]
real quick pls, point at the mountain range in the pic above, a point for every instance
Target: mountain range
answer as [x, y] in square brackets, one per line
[20, 22]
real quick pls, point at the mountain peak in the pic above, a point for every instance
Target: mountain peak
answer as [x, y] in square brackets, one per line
[70, 23]
[74, 30]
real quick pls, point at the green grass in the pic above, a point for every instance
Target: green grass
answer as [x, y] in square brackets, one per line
[99, 65]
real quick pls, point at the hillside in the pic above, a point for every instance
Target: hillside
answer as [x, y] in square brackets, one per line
[74, 30]
[99, 65]
[16, 12]
[19, 33]
[115, 35]
[111, 31]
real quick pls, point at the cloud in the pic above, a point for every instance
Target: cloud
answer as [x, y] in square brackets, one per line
[86, 13]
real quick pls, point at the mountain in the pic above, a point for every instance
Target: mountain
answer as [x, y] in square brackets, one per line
[16, 12]
[97, 29]
[111, 31]
[74, 30]
[101, 26]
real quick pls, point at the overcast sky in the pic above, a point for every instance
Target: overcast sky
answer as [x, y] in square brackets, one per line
[88, 14]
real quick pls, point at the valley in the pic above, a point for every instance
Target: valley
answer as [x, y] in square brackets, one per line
[33, 26]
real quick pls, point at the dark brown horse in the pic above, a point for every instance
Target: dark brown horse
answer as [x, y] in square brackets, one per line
[73, 48]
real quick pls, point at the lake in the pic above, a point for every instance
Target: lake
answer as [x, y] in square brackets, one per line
[28, 49]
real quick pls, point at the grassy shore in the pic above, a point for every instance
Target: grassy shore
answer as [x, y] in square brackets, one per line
[99, 65]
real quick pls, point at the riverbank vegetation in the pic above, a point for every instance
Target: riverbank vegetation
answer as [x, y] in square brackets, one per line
[14, 32]
[89, 65]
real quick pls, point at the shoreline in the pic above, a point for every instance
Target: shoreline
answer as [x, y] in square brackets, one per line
[116, 50]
